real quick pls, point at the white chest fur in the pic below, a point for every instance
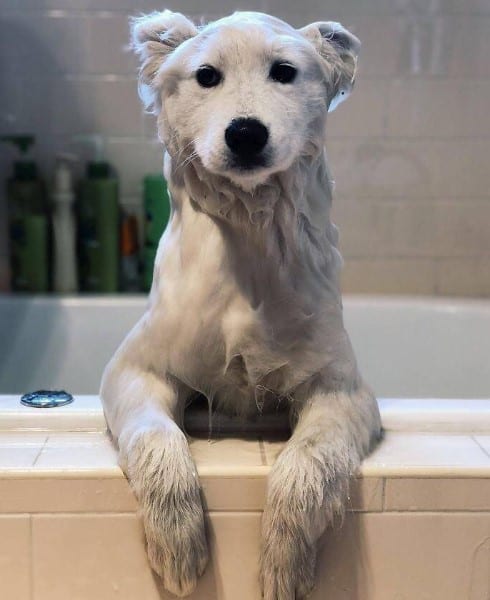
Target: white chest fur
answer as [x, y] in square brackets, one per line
[231, 318]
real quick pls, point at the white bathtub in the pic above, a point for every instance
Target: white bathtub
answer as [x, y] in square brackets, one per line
[406, 347]
[69, 526]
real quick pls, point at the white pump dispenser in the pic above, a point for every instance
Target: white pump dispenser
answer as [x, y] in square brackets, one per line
[65, 280]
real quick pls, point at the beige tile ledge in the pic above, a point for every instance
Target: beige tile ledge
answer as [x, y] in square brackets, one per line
[91, 454]
[35, 446]
[70, 472]
[427, 455]
[46, 469]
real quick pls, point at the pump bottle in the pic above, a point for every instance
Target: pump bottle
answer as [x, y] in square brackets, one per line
[65, 280]
[98, 221]
[28, 222]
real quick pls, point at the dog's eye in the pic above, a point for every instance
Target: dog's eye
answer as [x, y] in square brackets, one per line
[282, 72]
[208, 76]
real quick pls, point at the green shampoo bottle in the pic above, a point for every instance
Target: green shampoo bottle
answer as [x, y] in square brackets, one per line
[28, 222]
[98, 227]
[157, 214]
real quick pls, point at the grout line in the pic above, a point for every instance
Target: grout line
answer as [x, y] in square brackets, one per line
[263, 456]
[31, 561]
[394, 138]
[444, 198]
[380, 258]
[390, 203]
[480, 446]
[383, 495]
[79, 77]
[40, 451]
[422, 511]
[348, 14]
[126, 514]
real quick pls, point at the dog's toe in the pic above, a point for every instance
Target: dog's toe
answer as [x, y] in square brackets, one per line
[179, 586]
[304, 587]
[284, 585]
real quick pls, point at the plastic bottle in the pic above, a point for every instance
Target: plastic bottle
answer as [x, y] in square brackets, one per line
[65, 279]
[130, 268]
[157, 214]
[28, 219]
[98, 224]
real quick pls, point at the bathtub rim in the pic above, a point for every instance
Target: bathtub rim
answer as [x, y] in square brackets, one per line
[396, 300]
[423, 415]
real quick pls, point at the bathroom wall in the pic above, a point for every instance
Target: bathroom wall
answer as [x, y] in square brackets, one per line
[409, 151]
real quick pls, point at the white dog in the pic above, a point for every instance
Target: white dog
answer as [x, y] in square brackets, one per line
[245, 305]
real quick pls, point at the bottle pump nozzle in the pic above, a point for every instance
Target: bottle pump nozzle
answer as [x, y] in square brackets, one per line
[62, 183]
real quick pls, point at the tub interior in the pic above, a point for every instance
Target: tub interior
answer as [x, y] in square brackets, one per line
[406, 347]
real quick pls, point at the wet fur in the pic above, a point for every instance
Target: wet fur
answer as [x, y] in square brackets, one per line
[245, 305]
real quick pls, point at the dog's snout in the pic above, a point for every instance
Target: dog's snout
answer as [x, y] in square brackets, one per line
[246, 137]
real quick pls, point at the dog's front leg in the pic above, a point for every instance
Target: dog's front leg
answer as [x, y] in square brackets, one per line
[154, 454]
[308, 486]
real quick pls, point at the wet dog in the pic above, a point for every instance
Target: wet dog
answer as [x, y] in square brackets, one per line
[245, 305]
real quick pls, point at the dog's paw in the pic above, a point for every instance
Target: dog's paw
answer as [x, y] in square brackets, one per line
[303, 496]
[287, 562]
[164, 478]
[177, 550]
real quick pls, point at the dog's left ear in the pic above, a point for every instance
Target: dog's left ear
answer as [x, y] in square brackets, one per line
[153, 38]
[340, 49]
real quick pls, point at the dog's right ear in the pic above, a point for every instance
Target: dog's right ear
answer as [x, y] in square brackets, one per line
[153, 38]
[340, 49]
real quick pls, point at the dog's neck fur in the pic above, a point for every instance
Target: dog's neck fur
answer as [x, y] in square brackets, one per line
[282, 252]
[279, 235]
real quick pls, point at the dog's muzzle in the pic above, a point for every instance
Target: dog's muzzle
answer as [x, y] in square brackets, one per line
[246, 138]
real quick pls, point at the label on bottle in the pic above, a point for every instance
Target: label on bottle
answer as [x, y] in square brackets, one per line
[29, 253]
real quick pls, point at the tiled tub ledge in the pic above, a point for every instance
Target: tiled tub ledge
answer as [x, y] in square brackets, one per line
[419, 524]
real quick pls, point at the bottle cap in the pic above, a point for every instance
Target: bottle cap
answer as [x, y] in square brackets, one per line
[23, 141]
[98, 170]
[24, 169]
[98, 167]
[62, 183]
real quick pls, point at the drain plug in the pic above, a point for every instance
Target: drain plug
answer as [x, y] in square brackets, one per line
[46, 398]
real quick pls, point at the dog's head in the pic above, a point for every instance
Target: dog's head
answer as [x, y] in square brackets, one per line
[245, 95]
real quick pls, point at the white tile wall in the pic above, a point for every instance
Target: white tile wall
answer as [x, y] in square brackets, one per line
[410, 150]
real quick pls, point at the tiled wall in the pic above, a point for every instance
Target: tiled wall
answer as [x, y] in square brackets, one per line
[410, 151]
[418, 528]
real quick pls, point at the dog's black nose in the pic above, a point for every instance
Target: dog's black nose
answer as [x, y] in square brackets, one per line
[246, 137]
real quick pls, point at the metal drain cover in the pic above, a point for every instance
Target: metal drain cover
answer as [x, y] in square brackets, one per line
[46, 398]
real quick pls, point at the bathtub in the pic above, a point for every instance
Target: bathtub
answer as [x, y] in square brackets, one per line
[419, 520]
[406, 347]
